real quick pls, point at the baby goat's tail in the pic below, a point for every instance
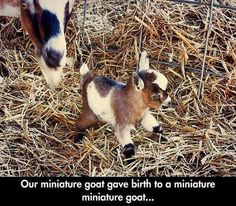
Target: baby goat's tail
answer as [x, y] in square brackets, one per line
[85, 73]
[84, 70]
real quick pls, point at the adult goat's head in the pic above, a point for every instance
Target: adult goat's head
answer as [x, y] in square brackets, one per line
[46, 21]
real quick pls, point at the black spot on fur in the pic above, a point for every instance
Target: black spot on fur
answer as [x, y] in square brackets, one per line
[163, 138]
[110, 82]
[104, 85]
[157, 129]
[129, 152]
[50, 25]
[155, 88]
[52, 58]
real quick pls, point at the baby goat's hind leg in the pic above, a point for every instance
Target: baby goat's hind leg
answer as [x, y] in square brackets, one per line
[86, 120]
[124, 138]
[150, 123]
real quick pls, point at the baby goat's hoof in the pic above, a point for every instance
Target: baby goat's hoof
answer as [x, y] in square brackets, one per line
[158, 129]
[79, 137]
[129, 152]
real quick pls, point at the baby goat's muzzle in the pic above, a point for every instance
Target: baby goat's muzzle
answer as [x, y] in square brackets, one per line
[166, 102]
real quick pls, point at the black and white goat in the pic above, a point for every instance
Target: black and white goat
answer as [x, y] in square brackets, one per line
[122, 105]
[45, 21]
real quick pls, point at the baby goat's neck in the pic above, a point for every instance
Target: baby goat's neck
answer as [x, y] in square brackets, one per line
[134, 102]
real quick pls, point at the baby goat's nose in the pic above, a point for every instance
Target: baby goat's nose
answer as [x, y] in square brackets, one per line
[52, 58]
[166, 102]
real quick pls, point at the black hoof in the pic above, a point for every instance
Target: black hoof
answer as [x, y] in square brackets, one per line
[129, 152]
[163, 138]
[158, 129]
[79, 137]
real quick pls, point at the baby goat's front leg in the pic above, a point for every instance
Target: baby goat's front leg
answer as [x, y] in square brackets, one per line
[124, 138]
[150, 123]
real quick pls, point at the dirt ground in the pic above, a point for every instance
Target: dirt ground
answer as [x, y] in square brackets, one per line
[37, 124]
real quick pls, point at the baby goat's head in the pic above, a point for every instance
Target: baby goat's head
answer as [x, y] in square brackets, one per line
[45, 21]
[151, 84]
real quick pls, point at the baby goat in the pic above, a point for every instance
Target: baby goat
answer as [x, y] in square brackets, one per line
[122, 105]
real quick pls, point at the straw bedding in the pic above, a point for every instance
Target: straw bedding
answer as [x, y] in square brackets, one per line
[37, 124]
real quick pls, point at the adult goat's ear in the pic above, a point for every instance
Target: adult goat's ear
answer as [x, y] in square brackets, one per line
[137, 81]
[23, 4]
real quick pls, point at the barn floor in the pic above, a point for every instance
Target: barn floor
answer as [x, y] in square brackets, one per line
[37, 124]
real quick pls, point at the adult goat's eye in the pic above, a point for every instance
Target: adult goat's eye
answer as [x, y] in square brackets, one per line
[24, 6]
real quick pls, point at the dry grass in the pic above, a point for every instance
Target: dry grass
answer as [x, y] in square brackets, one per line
[37, 124]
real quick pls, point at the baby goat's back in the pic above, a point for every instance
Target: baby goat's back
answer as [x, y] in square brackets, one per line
[99, 95]
[104, 85]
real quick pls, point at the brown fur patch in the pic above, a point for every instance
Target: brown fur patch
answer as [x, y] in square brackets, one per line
[84, 85]
[148, 91]
[86, 120]
[128, 105]
[38, 12]
[27, 24]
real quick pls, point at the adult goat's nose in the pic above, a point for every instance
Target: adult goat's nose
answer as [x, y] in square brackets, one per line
[52, 58]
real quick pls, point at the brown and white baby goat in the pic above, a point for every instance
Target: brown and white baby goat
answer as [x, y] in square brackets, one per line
[45, 21]
[122, 105]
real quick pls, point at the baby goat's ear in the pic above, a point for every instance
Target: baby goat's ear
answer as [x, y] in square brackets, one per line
[137, 81]
[144, 62]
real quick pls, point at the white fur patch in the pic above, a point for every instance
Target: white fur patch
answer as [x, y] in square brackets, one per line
[123, 135]
[84, 69]
[101, 106]
[161, 79]
[1, 80]
[149, 121]
[55, 6]
[8, 10]
[167, 101]
[57, 43]
[52, 76]
[144, 61]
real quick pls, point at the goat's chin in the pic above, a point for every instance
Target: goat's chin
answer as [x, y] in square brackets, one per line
[53, 76]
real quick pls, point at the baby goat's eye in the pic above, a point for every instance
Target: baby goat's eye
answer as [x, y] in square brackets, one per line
[153, 86]
[24, 6]
[156, 97]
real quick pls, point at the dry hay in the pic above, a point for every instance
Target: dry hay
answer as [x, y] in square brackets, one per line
[37, 124]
